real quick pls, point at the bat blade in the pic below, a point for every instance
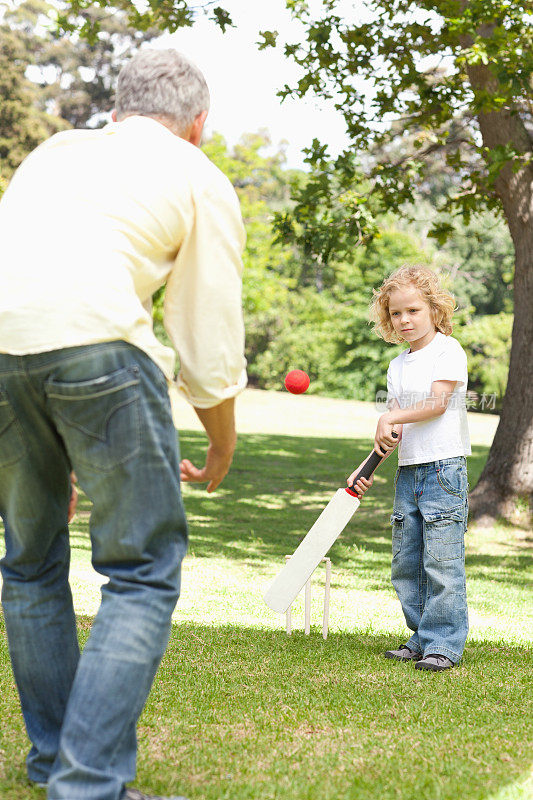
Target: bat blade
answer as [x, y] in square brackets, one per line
[292, 578]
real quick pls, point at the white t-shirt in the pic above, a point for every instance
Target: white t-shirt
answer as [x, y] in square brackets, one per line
[409, 380]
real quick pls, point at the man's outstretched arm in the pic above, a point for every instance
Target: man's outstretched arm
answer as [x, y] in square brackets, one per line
[219, 424]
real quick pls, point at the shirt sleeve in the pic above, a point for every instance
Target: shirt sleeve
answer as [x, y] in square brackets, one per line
[203, 306]
[391, 391]
[451, 365]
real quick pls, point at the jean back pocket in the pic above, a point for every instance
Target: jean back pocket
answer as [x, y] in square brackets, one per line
[99, 419]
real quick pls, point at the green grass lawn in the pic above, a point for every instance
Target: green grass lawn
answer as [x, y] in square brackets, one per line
[239, 710]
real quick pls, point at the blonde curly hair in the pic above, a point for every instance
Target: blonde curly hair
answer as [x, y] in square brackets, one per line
[427, 282]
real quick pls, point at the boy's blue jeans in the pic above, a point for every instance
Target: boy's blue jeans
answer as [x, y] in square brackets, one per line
[428, 554]
[102, 410]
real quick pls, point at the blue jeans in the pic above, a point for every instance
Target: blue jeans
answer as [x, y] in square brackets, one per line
[102, 410]
[428, 554]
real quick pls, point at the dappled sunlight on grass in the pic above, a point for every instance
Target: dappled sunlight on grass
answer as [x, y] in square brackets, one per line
[241, 711]
[275, 491]
[300, 718]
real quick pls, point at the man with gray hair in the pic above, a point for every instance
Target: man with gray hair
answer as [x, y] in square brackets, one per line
[92, 224]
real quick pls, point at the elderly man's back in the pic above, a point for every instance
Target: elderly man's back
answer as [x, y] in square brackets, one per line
[94, 222]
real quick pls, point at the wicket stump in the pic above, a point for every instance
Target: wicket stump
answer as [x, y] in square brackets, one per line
[307, 605]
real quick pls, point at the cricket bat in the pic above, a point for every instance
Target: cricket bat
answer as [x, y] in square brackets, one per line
[287, 585]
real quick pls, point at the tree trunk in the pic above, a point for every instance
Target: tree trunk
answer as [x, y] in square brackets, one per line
[508, 474]
[506, 482]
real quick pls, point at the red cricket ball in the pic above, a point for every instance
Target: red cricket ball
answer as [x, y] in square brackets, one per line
[297, 381]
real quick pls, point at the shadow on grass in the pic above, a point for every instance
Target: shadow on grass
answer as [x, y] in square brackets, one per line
[240, 713]
[248, 713]
[276, 489]
[279, 485]
[300, 718]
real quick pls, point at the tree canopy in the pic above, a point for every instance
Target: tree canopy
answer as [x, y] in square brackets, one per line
[23, 125]
[430, 71]
[436, 97]
[77, 78]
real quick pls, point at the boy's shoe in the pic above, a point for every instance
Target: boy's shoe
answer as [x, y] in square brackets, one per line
[135, 794]
[403, 653]
[434, 662]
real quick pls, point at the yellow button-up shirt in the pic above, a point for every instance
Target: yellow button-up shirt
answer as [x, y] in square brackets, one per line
[94, 221]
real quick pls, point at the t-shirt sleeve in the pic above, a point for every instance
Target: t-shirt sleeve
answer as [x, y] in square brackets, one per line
[451, 365]
[391, 390]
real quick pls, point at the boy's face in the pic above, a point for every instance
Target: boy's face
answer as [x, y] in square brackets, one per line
[411, 316]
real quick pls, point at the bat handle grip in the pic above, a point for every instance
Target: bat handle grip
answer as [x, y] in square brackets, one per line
[372, 463]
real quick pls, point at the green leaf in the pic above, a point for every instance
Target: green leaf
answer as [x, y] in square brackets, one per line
[269, 39]
[222, 18]
[441, 232]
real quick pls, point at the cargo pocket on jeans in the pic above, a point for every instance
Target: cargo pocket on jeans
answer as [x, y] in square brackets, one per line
[396, 521]
[99, 419]
[12, 446]
[445, 534]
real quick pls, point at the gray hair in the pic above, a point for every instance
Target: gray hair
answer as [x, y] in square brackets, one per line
[163, 84]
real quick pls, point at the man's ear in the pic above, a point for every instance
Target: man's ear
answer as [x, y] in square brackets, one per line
[114, 115]
[196, 129]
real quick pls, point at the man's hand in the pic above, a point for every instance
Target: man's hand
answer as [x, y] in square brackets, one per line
[216, 468]
[219, 424]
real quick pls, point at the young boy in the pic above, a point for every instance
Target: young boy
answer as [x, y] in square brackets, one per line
[426, 399]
